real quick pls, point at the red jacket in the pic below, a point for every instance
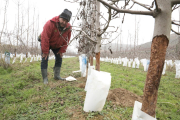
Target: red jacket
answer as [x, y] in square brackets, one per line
[50, 36]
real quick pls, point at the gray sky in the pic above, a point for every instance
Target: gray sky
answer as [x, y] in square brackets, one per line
[47, 9]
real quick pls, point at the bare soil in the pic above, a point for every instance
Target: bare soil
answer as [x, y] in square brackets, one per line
[118, 96]
[123, 97]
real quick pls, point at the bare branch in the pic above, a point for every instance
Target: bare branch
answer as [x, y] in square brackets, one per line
[175, 2]
[152, 5]
[175, 23]
[131, 6]
[87, 36]
[109, 19]
[112, 39]
[175, 32]
[74, 37]
[73, 1]
[126, 3]
[151, 13]
[123, 18]
[143, 5]
[174, 8]
[157, 8]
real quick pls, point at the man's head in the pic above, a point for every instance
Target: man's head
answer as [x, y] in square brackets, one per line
[65, 17]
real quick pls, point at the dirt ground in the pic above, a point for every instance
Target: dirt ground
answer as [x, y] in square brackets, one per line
[118, 96]
[123, 97]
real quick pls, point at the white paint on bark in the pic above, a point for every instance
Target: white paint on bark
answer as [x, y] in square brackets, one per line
[163, 20]
[98, 45]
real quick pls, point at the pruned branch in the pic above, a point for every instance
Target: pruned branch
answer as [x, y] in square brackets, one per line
[151, 13]
[175, 32]
[109, 19]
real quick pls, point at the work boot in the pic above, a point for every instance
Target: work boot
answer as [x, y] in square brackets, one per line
[57, 71]
[44, 75]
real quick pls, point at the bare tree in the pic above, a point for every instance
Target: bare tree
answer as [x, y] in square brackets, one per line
[162, 15]
[4, 21]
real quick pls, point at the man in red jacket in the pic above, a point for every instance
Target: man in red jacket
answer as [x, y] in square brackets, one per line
[55, 36]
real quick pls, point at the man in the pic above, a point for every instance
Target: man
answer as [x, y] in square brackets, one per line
[55, 36]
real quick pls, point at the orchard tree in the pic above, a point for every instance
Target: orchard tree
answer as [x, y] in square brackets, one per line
[162, 15]
[92, 32]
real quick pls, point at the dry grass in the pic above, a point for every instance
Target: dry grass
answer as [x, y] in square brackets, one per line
[171, 69]
[4, 64]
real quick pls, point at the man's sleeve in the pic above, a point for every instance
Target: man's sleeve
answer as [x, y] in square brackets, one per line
[45, 37]
[65, 43]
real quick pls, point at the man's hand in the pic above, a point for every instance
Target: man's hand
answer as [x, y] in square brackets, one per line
[45, 55]
[61, 54]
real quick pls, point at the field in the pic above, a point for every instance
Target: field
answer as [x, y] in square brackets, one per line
[23, 96]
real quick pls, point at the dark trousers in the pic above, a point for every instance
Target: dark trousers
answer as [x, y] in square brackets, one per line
[58, 59]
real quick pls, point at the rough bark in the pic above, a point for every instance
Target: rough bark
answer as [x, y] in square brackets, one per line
[15, 52]
[98, 61]
[91, 60]
[98, 45]
[158, 53]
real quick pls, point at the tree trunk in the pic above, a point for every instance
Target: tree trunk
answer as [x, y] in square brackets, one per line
[98, 45]
[158, 53]
[91, 60]
[98, 61]
[15, 53]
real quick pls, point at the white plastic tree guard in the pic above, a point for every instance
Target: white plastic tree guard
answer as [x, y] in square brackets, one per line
[164, 69]
[137, 63]
[97, 90]
[140, 115]
[133, 65]
[129, 63]
[89, 75]
[177, 70]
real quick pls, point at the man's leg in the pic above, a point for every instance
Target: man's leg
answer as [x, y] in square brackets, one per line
[44, 65]
[57, 67]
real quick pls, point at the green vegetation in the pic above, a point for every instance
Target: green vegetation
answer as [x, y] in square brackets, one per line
[23, 96]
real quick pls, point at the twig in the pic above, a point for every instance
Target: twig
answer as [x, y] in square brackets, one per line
[157, 8]
[175, 23]
[175, 32]
[151, 13]
[123, 18]
[143, 5]
[87, 36]
[131, 6]
[175, 7]
[112, 40]
[109, 19]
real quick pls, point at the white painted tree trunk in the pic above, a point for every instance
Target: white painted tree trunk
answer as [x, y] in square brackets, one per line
[98, 45]
[97, 50]
[162, 24]
[159, 45]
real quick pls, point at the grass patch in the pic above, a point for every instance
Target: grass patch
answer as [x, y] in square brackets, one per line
[24, 96]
